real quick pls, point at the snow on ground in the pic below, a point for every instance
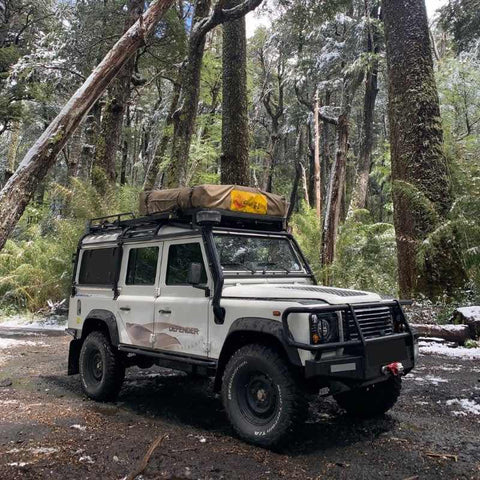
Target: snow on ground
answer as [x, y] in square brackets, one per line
[427, 348]
[11, 343]
[469, 406]
[470, 312]
[54, 322]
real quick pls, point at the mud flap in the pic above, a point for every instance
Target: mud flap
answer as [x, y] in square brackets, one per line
[74, 356]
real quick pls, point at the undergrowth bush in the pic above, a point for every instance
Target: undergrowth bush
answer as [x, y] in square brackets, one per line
[36, 263]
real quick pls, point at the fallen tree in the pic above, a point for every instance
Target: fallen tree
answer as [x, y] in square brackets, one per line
[451, 333]
[20, 188]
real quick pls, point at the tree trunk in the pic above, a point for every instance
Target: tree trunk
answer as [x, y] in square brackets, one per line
[335, 191]
[126, 142]
[336, 186]
[235, 134]
[316, 162]
[359, 194]
[154, 168]
[18, 191]
[420, 179]
[113, 111]
[450, 333]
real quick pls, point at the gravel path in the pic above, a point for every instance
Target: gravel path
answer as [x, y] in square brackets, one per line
[48, 429]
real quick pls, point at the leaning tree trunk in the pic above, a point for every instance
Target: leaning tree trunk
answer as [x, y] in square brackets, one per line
[18, 191]
[108, 141]
[421, 183]
[234, 159]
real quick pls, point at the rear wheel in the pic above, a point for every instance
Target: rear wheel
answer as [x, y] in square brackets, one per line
[260, 395]
[101, 369]
[373, 400]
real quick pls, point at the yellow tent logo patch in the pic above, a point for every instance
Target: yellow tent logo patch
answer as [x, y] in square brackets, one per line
[248, 202]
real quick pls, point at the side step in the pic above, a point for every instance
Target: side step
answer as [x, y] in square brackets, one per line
[171, 360]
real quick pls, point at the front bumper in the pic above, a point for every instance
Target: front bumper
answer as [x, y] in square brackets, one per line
[368, 362]
[362, 359]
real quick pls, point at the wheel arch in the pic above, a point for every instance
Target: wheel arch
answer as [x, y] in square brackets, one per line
[104, 321]
[247, 330]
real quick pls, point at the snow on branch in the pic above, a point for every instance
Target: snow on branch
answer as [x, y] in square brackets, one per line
[221, 15]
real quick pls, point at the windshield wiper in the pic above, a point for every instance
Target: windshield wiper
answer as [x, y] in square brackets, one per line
[236, 264]
[275, 267]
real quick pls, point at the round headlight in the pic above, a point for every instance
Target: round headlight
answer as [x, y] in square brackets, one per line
[324, 328]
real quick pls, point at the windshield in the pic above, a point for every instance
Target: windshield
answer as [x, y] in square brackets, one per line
[256, 254]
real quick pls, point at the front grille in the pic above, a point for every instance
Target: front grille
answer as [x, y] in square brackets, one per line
[333, 291]
[373, 321]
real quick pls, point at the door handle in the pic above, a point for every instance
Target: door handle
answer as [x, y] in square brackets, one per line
[165, 312]
[125, 309]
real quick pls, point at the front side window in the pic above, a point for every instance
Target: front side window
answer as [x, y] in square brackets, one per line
[98, 266]
[241, 253]
[180, 257]
[142, 266]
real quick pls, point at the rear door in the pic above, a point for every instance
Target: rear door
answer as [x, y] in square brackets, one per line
[181, 311]
[138, 289]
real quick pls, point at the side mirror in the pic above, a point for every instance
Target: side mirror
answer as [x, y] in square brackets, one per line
[194, 276]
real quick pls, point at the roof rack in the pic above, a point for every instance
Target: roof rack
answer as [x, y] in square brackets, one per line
[222, 218]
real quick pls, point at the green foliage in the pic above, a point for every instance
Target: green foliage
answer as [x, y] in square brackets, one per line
[366, 256]
[306, 228]
[36, 264]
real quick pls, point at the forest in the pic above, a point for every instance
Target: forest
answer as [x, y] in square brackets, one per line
[365, 115]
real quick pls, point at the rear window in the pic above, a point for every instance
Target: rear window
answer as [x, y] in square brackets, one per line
[98, 266]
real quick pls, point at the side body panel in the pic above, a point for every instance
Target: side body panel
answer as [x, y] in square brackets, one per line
[182, 312]
[134, 307]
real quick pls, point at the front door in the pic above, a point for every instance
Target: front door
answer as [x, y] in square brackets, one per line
[181, 310]
[138, 282]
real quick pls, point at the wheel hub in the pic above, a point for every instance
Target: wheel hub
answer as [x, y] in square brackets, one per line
[260, 395]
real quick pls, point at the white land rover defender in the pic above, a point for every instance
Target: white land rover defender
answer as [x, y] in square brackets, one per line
[213, 284]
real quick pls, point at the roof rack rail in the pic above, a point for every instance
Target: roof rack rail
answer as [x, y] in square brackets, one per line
[227, 219]
[109, 221]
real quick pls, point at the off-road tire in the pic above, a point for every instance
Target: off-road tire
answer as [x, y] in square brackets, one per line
[101, 368]
[371, 401]
[261, 397]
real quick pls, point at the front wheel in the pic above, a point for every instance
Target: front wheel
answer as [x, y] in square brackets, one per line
[260, 395]
[101, 370]
[373, 400]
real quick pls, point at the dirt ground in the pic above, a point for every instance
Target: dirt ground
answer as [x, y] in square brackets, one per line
[48, 429]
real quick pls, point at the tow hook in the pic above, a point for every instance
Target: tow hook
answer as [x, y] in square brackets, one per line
[394, 368]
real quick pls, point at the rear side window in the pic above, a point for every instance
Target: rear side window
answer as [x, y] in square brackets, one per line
[142, 266]
[98, 266]
[179, 259]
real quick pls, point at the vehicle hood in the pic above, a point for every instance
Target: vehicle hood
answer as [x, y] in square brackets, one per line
[331, 295]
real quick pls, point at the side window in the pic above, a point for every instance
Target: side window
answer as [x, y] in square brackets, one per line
[142, 266]
[179, 259]
[98, 266]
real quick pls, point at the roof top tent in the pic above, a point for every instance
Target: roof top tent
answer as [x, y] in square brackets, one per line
[227, 206]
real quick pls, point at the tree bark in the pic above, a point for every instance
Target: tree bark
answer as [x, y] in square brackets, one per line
[18, 191]
[235, 134]
[420, 178]
[108, 141]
